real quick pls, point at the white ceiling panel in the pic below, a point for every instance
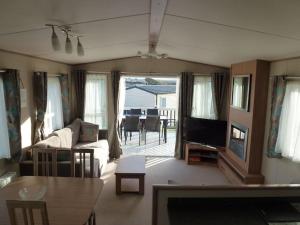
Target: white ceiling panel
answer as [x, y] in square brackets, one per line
[276, 17]
[22, 15]
[216, 44]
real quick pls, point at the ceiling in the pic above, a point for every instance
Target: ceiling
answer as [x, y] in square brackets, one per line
[207, 31]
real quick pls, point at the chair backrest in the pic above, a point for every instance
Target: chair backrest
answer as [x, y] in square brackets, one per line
[82, 155]
[27, 208]
[152, 112]
[46, 159]
[126, 112]
[135, 111]
[152, 123]
[132, 123]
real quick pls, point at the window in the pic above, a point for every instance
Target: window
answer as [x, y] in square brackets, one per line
[203, 106]
[96, 100]
[163, 102]
[4, 139]
[288, 140]
[54, 113]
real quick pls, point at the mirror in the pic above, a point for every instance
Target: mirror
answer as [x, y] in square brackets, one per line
[240, 92]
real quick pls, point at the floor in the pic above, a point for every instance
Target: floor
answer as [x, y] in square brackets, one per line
[132, 209]
[152, 146]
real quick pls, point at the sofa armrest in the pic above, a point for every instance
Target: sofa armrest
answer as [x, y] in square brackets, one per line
[103, 134]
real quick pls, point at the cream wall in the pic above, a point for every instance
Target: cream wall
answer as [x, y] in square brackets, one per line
[26, 66]
[138, 65]
[280, 171]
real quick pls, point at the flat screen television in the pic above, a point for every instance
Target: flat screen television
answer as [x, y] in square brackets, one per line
[205, 131]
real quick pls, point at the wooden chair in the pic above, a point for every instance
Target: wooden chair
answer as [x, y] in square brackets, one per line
[27, 208]
[82, 162]
[47, 158]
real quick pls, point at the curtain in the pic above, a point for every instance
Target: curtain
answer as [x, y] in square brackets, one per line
[220, 85]
[288, 140]
[203, 105]
[114, 139]
[79, 77]
[64, 84]
[186, 85]
[54, 111]
[40, 99]
[11, 84]
[96, 100]
[278, 92]
[4, 138]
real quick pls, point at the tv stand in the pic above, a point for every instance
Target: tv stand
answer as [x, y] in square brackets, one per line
[196, 153]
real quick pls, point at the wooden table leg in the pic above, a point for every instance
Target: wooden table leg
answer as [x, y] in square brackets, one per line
[118, 184]
[141, 185]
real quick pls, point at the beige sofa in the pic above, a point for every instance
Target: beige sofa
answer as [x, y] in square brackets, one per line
[64, 140]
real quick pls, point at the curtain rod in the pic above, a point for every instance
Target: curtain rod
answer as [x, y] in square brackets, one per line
[292, 77]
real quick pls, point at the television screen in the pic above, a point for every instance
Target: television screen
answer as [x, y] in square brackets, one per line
[205, 131]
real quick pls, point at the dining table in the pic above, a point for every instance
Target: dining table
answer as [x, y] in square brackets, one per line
[142, 118]
[69, 200]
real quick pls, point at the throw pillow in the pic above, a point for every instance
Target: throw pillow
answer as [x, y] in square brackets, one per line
[88, 132]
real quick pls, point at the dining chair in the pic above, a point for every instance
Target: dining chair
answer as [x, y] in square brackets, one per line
[132, 124]
[152, 124]
[82, 155]
[152, 112]
[135, 111]
[46, 160]
[27, 208]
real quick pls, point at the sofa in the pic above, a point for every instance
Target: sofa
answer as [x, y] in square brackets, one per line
[77, 135]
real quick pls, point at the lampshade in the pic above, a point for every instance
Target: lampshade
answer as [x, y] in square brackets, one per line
[55, 41]
[80, 50]
[68, 46]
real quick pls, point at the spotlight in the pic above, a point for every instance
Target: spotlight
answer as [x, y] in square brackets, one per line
[55, 41]
[80, 50]
[68, 46]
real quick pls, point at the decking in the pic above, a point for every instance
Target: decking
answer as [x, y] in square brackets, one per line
[152, 148]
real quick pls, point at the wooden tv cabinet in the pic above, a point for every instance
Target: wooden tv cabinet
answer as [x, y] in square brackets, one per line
[196, 153]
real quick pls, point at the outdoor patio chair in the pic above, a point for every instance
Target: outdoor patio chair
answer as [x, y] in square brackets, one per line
[152, 124]
[152, 112]
[132, 124]
[135, 111]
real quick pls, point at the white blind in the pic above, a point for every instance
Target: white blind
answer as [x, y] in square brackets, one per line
[288, 140]
[203, 106]
[4, 139]
[95, 110]
[54, 113]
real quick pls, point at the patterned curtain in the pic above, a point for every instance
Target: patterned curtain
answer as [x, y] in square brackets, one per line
[278, 92]
[79, 77]
[184, 109]
[11, 84]
[40, 99]
[219, 86]
[64, 84]
[115, 148]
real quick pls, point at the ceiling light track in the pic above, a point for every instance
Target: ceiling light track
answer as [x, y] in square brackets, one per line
[67, 31]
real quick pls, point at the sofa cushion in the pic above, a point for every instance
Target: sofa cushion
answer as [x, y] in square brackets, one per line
[101, 149]
[69, 135]
[52, 141]
[88, 132]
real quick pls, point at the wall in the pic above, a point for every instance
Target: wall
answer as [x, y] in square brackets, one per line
[138, 98]
[281, 171]
[138, 65]
[171, 100]
[26, 66]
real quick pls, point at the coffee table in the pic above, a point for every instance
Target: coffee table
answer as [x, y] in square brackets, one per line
[131, 167]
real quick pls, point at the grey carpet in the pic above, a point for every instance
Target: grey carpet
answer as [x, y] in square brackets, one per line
[132, 209]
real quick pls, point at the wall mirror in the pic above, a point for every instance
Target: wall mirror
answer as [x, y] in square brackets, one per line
[240, 95]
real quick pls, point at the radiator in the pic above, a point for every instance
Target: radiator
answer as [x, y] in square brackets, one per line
[7, 178]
